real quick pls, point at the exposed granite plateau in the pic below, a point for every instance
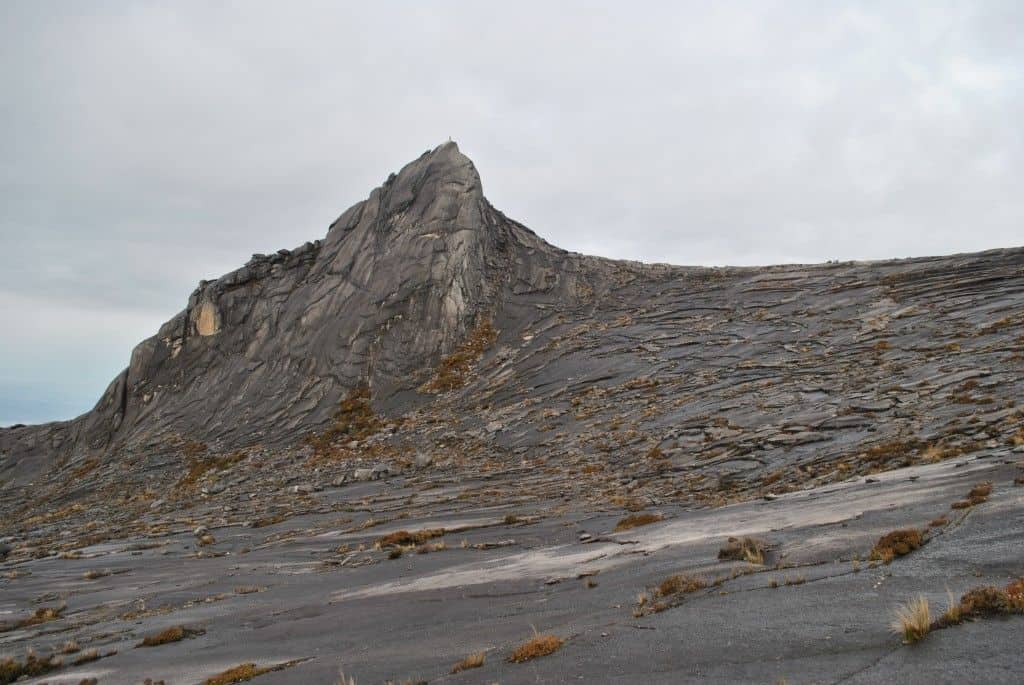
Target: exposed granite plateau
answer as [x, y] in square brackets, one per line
[431, 364]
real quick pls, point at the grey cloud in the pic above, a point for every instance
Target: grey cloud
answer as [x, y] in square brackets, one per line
[144, 146]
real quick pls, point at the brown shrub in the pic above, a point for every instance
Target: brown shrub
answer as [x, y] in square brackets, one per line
[980, 492]
[681, 584]
[238, 674]
[637, 520]
[168, 635]
[471, 661]
[404, 537]
[898, 543]
[540, 645]
[984, 601]
[743, 549]
[12, 669]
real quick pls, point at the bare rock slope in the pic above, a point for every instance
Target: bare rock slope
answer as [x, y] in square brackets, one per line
[267, 351]
[400, 450]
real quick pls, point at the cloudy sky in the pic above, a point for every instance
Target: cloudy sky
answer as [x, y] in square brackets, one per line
[144, 146]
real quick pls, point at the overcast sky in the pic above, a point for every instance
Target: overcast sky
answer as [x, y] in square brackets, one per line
[145, 146]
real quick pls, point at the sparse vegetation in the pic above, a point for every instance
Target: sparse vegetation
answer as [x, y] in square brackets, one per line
[238, 674]
[977, 603]
[169, 635]
[200, 464]
[898, 543]
[985, 601]
[39, 616]
[913, 620]
[979, 493]
[453, 371]
[743, 549]
[471, 661]
[637, 520]
[538, 646]
[668, 594]
[248, 589]
[355, 419]
[95, 574]
[681, 584]
[953, 613]
[402, 538]
[11, 669]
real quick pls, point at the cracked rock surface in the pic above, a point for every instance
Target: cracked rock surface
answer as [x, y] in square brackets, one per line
[414, 440]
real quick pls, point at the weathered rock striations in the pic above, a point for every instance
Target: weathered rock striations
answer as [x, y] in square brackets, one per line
[264, 353]
[555, 443]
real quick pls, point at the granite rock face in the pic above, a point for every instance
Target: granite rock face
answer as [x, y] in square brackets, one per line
[510, 438]
[264, 353]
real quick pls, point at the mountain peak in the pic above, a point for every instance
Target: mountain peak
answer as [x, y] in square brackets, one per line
[265, 353]
[433, 189]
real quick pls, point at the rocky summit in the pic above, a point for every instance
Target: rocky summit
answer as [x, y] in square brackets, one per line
[431, 447]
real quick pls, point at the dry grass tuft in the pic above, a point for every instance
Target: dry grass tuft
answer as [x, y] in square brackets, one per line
[540, 645]
[238, 674]
[33, 665]
[913, 620]
[898, 543]
[637, 520]
[39, 616]
[405, 538]
[471, 661]
[953, 613]
[681, 584]
[169, 635]
[743, 549]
